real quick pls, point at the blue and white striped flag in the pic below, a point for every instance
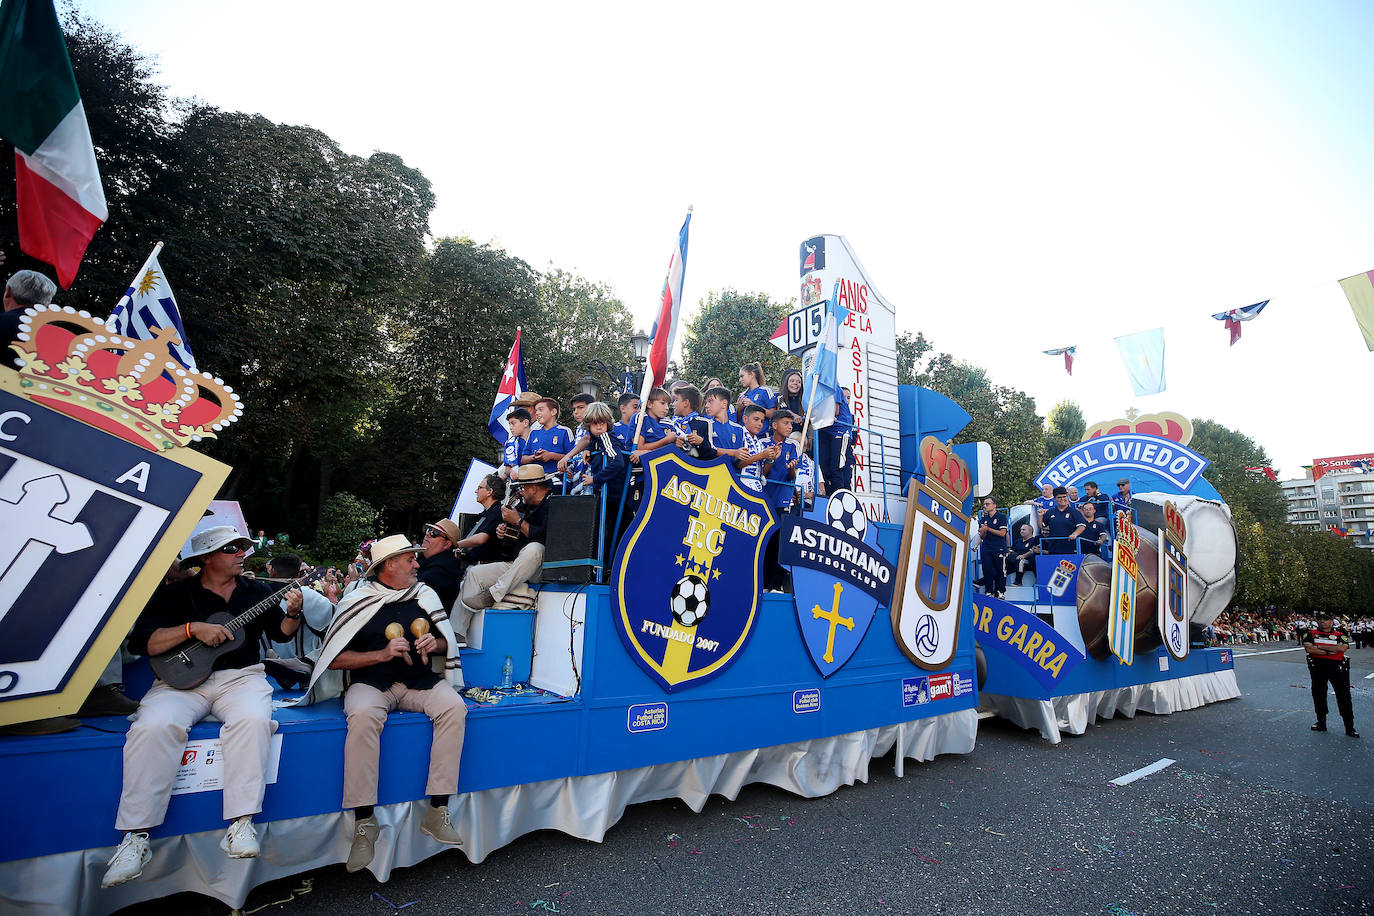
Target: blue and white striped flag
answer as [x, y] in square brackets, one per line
[821, 384]
[1143, 354]
[148, 304]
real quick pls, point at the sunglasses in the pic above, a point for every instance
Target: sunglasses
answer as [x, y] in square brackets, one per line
[232, 548]
[434, 533]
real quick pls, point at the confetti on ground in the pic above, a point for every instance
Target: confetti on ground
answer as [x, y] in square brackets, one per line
[943, 805]
[1058, 869]
[993, 832]
[394, 906]
[926, 858]
[307, 885]
[673, 840]
[1079, 848]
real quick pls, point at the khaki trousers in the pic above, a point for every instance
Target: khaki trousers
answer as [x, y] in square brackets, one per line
[499, 577]
[241, 698]
[367, 707]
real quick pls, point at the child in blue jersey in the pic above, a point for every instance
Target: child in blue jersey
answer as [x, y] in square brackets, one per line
[757, 446]
[686, 403]
[518, 443]
[657, 430]
[723, 437]
[548, 442]
[779, 474]
[578, 466]
[625, 429]
[754, 391]
[607, 464]
[717, 383]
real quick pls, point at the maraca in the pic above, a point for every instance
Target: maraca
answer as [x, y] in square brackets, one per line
[394, 630]
[419, 627]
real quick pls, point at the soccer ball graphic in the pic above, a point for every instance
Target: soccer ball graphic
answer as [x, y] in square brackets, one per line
[927, 635]
[1211, 548]
[843, 511]
[690, 600]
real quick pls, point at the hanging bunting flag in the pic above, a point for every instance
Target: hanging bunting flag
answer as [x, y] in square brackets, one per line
[1143, 354]
[1340, 532]
[1363, 465]
[1234, 317]
[58, 195]
[1267, 471]
[1359, 289]
[1068, 356]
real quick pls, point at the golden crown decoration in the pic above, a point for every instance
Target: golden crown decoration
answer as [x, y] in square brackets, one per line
[1174, 529]
[135, 389]
[944, 469]
[1126, 531]
[1165, 424]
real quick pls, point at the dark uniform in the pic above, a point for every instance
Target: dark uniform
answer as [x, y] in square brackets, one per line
[1333, 669]
[991, 549]
[1057, 527]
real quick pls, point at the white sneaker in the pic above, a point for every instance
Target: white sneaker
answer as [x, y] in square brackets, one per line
[128, 861]
[241, 841]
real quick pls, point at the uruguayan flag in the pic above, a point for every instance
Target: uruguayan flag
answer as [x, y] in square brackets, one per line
[821, 384]
[148, 305]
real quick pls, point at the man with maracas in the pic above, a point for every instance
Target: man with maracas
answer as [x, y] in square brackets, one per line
[390, 634]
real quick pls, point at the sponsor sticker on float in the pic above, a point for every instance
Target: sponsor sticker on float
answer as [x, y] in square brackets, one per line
[646, 717]
[963, 683]
[941, 687]
[202, 766]
[915, 691]
[804, 701]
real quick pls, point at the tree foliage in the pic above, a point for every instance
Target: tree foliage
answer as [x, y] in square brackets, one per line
[1231, 452]
[1064, 427]
[730, 329]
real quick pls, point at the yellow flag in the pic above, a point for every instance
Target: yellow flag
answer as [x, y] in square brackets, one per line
[1359, 289]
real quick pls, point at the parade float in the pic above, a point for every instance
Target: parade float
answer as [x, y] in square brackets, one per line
[1088, 637]
[672, 676]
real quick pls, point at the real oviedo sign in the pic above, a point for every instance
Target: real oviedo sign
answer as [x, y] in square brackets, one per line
[1155, 455]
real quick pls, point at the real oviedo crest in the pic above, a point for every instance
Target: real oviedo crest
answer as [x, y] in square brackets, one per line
[839, 577]
[686, 580]
[929, 593]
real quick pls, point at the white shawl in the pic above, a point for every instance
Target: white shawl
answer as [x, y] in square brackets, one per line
[356, 609]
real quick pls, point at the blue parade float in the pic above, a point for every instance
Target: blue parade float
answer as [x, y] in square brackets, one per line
[1051, 662]
[616, 702]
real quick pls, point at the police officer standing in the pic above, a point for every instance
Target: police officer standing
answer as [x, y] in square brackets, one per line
[1326, 647]
[992, 547]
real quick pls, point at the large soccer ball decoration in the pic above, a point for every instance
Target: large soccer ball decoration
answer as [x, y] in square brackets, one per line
[689, 600]
[1213, 553]
[1094, 601]
[844, 512]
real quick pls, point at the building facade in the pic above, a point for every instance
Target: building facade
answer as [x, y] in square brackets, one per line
[1335, 493]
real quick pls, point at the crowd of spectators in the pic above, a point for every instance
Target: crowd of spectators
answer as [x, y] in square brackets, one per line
[1250, 626]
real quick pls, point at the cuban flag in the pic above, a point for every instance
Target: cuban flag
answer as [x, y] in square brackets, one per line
[512, 385]
[148, 305]
[1068, 353]
[1234, 317]
[664, 332]
[821, 385]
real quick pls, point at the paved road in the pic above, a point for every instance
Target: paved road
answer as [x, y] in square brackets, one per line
[1258, 815]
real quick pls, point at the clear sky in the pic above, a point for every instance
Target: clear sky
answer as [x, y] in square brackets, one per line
[1014, 176]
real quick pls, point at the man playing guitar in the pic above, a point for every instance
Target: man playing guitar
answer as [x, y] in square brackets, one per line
[236, 691]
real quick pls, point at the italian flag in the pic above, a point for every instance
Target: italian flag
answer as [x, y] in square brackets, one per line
[61, 203]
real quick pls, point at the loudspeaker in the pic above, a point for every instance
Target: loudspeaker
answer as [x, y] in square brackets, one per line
[465, 522]
[570, 546]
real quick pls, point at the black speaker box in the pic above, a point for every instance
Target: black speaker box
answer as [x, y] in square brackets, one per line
[570, 547]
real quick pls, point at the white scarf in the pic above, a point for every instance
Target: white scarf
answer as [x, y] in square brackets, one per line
[356, 609]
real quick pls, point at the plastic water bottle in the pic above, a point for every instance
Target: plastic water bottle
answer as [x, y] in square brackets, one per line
[507, 673]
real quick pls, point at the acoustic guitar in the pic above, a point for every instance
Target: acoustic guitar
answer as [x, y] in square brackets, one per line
[191, 663]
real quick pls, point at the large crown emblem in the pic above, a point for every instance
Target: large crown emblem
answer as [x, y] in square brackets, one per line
[69, 361]
[1174, 528]
[944, 469]
[1165, 424]
[1126, 531]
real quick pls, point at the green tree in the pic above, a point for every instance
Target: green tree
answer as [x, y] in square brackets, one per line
[1231, 452]
[345, 522]
[730, 329]
[578, 321]
[912, 349]
[1064, 427]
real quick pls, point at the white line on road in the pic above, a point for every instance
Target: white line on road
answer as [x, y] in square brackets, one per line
[1132, 776]
[1270, 652]
[1368, 676]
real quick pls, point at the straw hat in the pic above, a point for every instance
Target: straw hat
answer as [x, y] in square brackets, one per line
[212, 539]
[385, 548]
[449, 527]
[530, 473]
[526, 400]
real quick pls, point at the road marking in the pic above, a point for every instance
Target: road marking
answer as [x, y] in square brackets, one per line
[1270, 652]
[1132, 776]
[1368, 676]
